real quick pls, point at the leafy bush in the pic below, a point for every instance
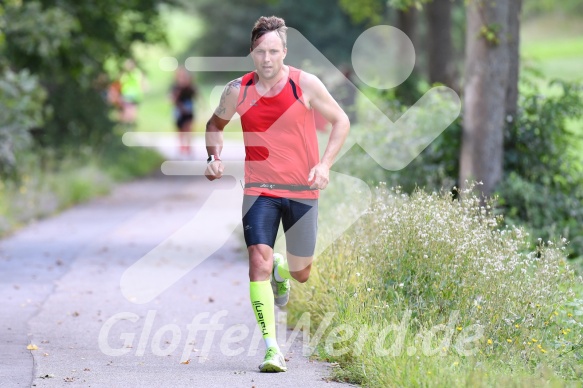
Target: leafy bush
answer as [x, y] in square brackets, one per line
[537, 144]
[544, 175]
[21, 108]
[435, 167]
[547, 212]
[475, 304]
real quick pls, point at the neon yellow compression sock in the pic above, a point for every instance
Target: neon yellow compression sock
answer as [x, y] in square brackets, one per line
[263, 306]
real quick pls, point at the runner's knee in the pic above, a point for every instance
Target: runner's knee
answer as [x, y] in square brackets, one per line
[260, 262]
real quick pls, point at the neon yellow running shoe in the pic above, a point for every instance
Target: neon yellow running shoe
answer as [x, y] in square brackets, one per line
[273, 362]
[280, 289]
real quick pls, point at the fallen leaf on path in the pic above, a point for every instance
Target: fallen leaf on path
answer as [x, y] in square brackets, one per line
[75, 314]
[185, 362]
[32, 347]
[45, 354]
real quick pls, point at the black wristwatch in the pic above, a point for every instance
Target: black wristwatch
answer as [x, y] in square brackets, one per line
[212, 158]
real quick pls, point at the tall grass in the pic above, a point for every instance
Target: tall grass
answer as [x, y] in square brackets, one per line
[429, 291]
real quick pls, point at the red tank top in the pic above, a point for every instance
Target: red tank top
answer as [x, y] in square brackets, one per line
[281, 145]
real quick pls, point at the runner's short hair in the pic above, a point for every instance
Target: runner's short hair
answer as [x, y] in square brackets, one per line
[266, 24]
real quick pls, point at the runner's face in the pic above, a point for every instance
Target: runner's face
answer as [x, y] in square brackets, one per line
[268, 55]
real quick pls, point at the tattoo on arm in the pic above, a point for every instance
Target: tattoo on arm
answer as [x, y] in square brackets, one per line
[235, 84]
[221, 108]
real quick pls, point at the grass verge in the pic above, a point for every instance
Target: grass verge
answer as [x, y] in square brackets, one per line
[427, 291]
[48, 183]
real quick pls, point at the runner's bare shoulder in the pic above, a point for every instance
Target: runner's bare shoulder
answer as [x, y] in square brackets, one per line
[312, 87]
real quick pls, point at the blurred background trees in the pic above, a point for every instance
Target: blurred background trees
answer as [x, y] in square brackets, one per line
[519, 132]
[324, 24]
[65, 45]
[57, 58]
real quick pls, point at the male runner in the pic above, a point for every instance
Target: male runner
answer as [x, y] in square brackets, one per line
[283, 171]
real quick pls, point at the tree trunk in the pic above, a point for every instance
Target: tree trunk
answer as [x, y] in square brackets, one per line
[486, 82]
[407, 22]
[440, 60]
[513, 46]
[407, 92]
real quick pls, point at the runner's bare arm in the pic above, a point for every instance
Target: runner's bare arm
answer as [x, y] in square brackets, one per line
[214, 127]
[223, 114]
[317, 96]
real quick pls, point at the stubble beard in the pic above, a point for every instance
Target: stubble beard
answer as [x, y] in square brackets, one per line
[270, 74]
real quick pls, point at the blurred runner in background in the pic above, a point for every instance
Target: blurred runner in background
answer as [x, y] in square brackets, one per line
[132, 86]
[183, 94]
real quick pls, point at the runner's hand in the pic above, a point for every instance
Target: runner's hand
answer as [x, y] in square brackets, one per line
[214, 170]
[319, 176]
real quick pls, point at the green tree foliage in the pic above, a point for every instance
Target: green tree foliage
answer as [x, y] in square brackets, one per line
[370, 11]
[66, 44]
[376, 11]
